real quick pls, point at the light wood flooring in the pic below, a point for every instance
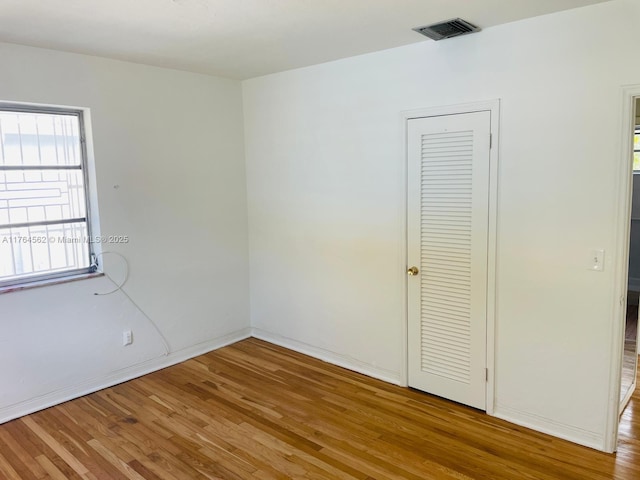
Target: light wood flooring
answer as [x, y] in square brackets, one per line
[256, 411]
[629, 369]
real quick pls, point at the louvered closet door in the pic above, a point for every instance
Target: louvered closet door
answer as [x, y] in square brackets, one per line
[448, 216]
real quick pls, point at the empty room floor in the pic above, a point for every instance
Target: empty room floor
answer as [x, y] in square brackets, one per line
[257, 411]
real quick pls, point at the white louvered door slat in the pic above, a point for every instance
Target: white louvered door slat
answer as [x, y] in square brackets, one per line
[448, 220]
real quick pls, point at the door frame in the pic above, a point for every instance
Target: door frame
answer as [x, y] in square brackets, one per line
[621, 261]
[492, 106]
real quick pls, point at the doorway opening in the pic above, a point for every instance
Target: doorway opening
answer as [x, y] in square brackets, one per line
[630, 350]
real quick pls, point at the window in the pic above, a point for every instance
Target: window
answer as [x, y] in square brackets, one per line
[636, 149]
[44, 220]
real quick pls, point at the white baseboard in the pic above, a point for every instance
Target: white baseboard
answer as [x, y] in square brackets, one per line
[328, 356]
[542, 424]
[114, 378]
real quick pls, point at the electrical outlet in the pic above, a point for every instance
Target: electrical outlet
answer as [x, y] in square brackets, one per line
[127, 337]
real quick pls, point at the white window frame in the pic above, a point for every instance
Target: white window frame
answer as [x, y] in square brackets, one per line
[90, 217]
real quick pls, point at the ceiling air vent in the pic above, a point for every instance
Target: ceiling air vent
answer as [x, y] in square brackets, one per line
[448, 29]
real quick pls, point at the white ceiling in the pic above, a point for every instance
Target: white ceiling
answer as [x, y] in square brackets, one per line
[244, 38]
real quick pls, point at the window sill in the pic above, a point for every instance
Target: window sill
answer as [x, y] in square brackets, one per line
[45, 283]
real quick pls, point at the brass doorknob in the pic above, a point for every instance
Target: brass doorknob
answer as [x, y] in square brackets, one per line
[413, 271]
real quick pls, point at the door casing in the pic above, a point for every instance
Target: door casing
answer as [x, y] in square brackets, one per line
[621, 261]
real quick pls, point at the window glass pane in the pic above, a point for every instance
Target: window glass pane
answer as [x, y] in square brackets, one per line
[29, 196]
[41, 249]
[636, 150]
[39, 139]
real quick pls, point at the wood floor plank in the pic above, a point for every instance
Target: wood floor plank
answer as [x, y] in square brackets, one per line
[51, 469]
[21, 461]
[254, 410]
[54, 444]
[7, 470]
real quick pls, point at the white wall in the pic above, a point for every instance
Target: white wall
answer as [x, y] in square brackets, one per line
[173, 143]
[326, 193]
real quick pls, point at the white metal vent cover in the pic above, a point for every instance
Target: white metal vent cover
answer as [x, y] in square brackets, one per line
[448, 29]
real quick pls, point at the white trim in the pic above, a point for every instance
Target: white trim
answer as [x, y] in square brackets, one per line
[492, 257]
[92, 185]
[620, 264]
[119, 376]
[492, 106]
[328, 356]
[489, 105]
[550, 427]
[403, 260]
[626, 399]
